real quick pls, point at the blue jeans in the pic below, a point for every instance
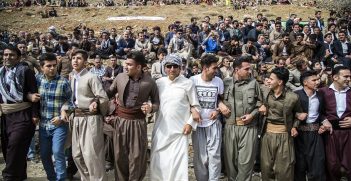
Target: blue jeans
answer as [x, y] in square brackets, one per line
[31, 152]
[52, 143]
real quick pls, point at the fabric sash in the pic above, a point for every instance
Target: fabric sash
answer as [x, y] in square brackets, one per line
[11, 108]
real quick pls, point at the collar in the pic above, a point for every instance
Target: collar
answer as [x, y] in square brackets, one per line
[333, 87]
[77, 75]
[281, 95]
[55, 78]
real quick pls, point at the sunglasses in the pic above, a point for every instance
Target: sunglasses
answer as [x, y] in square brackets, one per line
[170, 66]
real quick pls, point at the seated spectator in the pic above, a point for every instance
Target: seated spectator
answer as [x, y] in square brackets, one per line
[125, 44]
[143, 45]
[232, 48]
[179, 45]
[106, 46]
[211, 44]
[156, 39]
[98, 69]
[283, 49]
[52, 12]
[225, 68]
[62, 47]
[249, 49]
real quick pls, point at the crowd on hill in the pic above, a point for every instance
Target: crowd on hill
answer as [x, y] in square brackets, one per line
[278, 91]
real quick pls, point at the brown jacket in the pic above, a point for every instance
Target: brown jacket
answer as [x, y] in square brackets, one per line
[148, 89]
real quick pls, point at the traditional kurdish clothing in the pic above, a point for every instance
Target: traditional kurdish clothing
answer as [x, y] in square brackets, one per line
[169, 149]
[17, 128]
[130, 127]
[338, 144]
[87, 135]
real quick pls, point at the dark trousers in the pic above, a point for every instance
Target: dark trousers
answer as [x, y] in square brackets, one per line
[310, 156]
[17, 130]
[338, 157]
[108, 136]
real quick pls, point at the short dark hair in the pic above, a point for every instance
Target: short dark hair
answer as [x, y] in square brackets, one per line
[281, 73]
[207, 60]
[46, 57]
[337, 70]
[307, 74]
[13, 48]
[83, 52]
[162, 50]
[238, 63]
[138, 57]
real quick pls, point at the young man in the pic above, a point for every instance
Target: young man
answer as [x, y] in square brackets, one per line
[281, 108]
[309, 146]
[337, 120]
[91, 104]
[18, 116]
[55, 95]
[169, 148]
[243, 97]
[208, 136]
[134, 89]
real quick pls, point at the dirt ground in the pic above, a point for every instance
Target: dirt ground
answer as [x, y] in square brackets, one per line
[29, 19]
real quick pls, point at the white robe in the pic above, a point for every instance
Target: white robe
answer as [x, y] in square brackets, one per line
[169, 149]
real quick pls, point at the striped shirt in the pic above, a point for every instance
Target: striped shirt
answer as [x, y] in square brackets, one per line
[53, 95]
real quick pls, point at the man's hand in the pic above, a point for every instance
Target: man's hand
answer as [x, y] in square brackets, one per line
[345, 123]
[56, 121]
[301, 116]
[327, 126]
[35, 97]
[321, 130]
[294, 132]
[93, 107]
[263, 110]
[187, 129]
[213, 115]
[224, 109]
[146, 108]
[247, 118]
[64, 116]
[196, 115]
[35, 120]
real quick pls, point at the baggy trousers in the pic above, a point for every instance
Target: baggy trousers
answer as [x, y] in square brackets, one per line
[239, 151]
[130, 147]
[17, 130]
[338, 154]
[207, 151]
[310, 157]
[88, 147]
[277, 157]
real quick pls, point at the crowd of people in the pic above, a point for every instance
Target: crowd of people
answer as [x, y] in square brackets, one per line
[256, 96]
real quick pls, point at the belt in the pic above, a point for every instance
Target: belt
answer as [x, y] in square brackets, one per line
[309, 127]
[130, 113]
[239, 121]
[84, 113]
[276, 128]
